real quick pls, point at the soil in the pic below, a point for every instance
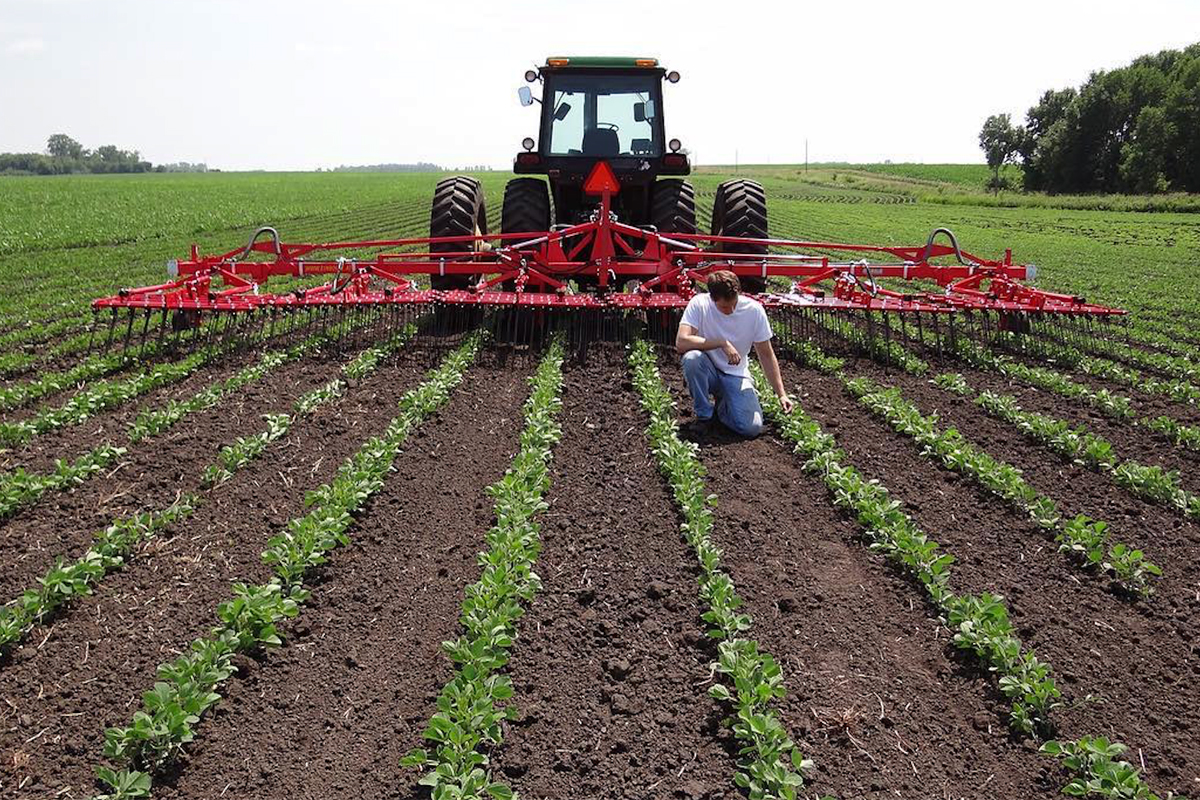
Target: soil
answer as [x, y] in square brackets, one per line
[611, 667]
[1138, 661]
[350, 693]
[84, 670]
[112, 425]
[151, 475]
[876, 694]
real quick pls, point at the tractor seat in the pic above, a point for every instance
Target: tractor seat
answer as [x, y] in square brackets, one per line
[601, 142]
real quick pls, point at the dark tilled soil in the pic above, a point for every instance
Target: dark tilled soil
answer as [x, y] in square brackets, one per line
[149, 477]
[611, 668]
[1139, 661]
[332, 712]
[1145, 403]
[877, 696]
[68, 443]
[1130, 441]
[1169, 539]
[85, 671]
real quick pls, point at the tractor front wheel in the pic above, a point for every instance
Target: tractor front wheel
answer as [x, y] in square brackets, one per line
[740, 209]
[458, 210]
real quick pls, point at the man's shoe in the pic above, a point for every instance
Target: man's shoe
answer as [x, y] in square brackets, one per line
[697, 430]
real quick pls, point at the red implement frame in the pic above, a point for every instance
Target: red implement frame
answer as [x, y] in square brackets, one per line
[620, 266]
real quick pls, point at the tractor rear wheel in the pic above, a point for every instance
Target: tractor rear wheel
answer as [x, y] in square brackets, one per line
[458, 210]
[740, 209]
[673, 206]
[526, 206]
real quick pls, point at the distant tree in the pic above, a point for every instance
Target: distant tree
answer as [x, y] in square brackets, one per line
[1135, 128]
[1000, 142]
[62, 146]
[1144, 158]
[1039, 119]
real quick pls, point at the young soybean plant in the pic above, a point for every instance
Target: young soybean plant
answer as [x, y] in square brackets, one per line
[770, 766]
[469, 707]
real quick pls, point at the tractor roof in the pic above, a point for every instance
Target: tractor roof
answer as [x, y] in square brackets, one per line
[601, 62]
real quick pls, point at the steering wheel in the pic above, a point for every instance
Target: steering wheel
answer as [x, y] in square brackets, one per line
[611, 126]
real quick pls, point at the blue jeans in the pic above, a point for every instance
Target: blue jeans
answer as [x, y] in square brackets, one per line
[737, 402]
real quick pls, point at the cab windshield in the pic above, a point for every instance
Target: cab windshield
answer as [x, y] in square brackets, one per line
[604, 116]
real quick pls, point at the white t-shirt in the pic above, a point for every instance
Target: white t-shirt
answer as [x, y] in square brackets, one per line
[746, 325]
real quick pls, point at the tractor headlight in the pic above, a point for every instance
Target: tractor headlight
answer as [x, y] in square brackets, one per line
[673, 76]
[675, 145]
[531, 75]
[528, 143]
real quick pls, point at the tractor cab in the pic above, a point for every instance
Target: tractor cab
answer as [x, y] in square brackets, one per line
[595, 109]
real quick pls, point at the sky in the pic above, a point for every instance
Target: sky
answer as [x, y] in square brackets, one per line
[302, 84]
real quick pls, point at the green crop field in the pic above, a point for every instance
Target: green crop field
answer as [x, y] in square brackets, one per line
[964, 548]
[65, 239]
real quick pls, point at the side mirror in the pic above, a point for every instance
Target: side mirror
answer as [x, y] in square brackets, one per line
[561, 112]
[525, 95]
[643, 111]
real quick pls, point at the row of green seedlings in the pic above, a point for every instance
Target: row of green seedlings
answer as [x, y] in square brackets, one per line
[769, 763]
[20, 487]
[883, 350]
[1080, 446]
[979, 624]
[188, 687]
[955, 452]
[22, 394]
[16, 362]
[102, 396]
[471, 705]
[1112, 405]
[1177, 367]
[1180, 391]
[1128, 565]
[113, 546]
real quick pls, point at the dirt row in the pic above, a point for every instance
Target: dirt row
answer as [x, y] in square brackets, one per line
[84, 671]
[153, 472]
[40, 452]
[1128, 669]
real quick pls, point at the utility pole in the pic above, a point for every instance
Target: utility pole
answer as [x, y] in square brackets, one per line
[735, 161]
[806, 156]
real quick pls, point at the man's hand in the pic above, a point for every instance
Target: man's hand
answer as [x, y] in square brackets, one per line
[786, 403]
[732, 354]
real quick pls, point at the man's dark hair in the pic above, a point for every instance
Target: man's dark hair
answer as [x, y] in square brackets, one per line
[723, 285]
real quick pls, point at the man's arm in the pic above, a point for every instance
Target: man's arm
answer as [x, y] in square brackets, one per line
[688, 338]
[770, 365]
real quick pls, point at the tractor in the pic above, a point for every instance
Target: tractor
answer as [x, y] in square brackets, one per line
[599, 109]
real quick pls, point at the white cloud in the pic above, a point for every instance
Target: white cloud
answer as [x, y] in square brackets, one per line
[25, 47]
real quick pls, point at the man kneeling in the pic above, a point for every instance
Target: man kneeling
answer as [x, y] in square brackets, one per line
[714, 339]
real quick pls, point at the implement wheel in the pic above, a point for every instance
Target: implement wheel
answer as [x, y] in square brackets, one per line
[740, 209]
[458, 210]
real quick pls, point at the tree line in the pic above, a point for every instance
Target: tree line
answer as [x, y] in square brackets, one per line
[65, 156]
[1134, 129]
